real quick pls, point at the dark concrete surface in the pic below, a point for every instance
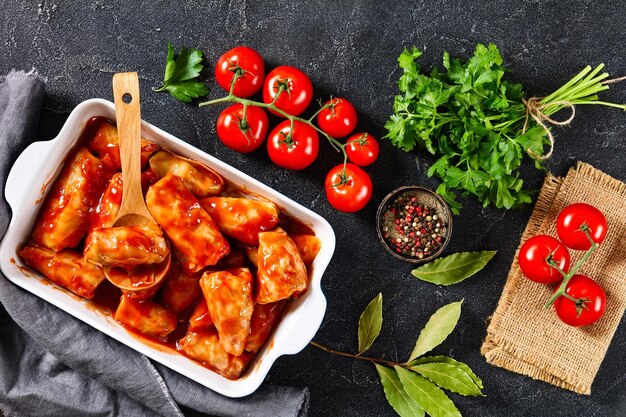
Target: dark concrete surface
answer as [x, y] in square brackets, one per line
[350, 49]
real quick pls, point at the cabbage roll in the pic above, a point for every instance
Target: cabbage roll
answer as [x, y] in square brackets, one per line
[106, 144]
[147, 317]
[126, 247]
[104, 214]
[241, 218]
[201, 180]
[228, 296]
[205, 347]
[263, 319]
[280, 270]
[252, 253]
[197, 241]
[65, 268]
[200, 317]
[308, 246]
[109, 204]
[64, 218]
[180, 290]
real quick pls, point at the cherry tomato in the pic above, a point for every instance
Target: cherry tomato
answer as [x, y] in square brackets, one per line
[242, 135]
[591, 307]
[295, 149]
[534, 255]
[362, 149]
[350, 192]
[339, 119]
[251, 65]
[297, 98]
[573, 219]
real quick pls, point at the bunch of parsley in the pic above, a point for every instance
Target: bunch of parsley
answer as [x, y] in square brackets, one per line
[473, 121]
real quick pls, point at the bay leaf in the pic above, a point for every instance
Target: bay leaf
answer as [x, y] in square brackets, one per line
[448, 376]
[397, 397]
[430, 397]
[437, 329]
[370, 323]
[453, 268]
[446, 359]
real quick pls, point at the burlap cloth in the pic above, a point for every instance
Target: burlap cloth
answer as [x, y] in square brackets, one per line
[525, 337]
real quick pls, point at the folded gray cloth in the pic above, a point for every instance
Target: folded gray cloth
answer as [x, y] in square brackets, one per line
[52, 364]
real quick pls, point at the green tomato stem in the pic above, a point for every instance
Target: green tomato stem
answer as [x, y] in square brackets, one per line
[236, 75]
[325, 106]
[556, 266]
[572, 299]
[244, 112]
[231, 98]
[566, 278]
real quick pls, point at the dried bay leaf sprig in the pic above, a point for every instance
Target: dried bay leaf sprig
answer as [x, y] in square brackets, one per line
[415, 388]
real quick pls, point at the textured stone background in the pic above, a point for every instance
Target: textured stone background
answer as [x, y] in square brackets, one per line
[350, 49]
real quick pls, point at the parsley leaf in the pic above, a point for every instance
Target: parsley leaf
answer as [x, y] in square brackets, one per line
[472, 121]
[181, 74]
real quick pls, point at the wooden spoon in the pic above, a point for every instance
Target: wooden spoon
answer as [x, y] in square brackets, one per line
[133, 210]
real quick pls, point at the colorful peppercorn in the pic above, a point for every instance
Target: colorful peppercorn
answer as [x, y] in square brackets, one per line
[412, 229]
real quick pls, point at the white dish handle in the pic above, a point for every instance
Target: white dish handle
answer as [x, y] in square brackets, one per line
[25, 172]
[308, 324]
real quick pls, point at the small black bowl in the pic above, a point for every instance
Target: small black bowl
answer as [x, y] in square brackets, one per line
[429, 199]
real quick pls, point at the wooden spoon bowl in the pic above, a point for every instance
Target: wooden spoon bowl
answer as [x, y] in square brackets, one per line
[143, 281]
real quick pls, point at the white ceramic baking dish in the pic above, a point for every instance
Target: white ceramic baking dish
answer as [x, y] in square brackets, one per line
[34, 172]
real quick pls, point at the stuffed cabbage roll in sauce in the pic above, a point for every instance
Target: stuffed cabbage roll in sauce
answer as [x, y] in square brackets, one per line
[63, 220]
[106, 144]
[280, 271]
[180, 290]
[197, 241]
[126, 247]
[308, 246]
[200, 317]
[201, 180]
[104, 214]
[228, 296]
[204, 346]
[241, 218]
[263, 319]
[65, 268]
[146, 317]
[252, 253]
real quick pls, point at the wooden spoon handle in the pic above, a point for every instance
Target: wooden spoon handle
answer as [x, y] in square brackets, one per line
[128, 115]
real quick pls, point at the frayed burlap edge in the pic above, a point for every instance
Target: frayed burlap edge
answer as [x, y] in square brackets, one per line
[501, 352]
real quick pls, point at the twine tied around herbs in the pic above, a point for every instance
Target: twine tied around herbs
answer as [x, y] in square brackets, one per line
[535, 109]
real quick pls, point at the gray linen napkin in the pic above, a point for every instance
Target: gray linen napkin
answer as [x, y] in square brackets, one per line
[52, 364]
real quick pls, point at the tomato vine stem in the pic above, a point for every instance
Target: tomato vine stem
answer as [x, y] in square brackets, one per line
[231, 98]
[567, 276]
